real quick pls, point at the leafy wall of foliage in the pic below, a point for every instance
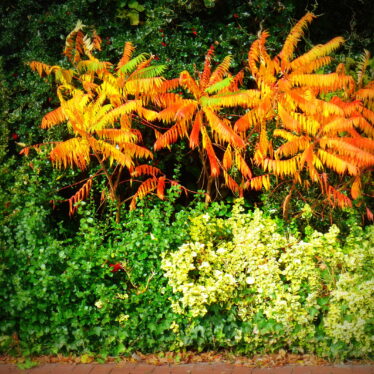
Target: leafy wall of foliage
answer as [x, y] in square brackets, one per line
[113, 289]
[93, 285]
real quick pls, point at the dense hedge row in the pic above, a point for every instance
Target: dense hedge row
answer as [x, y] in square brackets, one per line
[88, 284]
[173, 278]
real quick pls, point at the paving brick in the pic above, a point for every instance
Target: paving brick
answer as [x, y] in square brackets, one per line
[203, 368]
[123, 368]
[367, 369]
[284, 370]
[196, 368]
[277, 370]
[164, 369]
[221, 368]
[342, 369]
[82, 369]
[143, 369]
[10, 369]
[102, 369]
[263, 371]
[43, 369]
[181, 369]
[60, 369]
[303, 369]
[322, 370]
[242, 370]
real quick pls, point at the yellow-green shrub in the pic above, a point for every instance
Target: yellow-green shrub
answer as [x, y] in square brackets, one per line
[244, 263]
[351, 312]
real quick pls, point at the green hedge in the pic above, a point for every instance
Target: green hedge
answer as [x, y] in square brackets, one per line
[172, 277]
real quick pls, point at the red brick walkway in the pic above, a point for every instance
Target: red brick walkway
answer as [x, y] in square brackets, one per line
[197, 368]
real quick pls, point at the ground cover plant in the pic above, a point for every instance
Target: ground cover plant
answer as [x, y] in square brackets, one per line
[138, 267]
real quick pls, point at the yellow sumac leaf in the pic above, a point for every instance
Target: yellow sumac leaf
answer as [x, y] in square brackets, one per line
[316, 52]
[72, 152]
[227, 158]
[281, 167]
[259, 182]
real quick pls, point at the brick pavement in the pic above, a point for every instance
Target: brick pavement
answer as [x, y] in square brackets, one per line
[195, 368]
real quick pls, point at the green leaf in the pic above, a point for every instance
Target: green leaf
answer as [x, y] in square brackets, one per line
[209, 3]
[28, 364]
[219, 85]
[133, 63]
[134, 17]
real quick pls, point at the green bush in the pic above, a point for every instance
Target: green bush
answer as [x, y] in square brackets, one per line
[100, 290]
[170, 277]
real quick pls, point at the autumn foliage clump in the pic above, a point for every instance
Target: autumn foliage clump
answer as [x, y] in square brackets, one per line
[296, 126]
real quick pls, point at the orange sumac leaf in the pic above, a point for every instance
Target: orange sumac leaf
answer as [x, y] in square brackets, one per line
[186, 81]
[194, 136]
[227, 158]
[72, 152]
[214, 166]
[243, 166]
[145, 170]
[230, 183]
[126, 55]
[369, 214]
[40, 68]
[223, 130]
[356, 188]
[144, 189]
[338, 198]
[294, 36]
[170, 136]
[53, 118]
[161, 188]
[80, 195]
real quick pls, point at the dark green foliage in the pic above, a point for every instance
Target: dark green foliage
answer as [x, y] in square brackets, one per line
[58, 292]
